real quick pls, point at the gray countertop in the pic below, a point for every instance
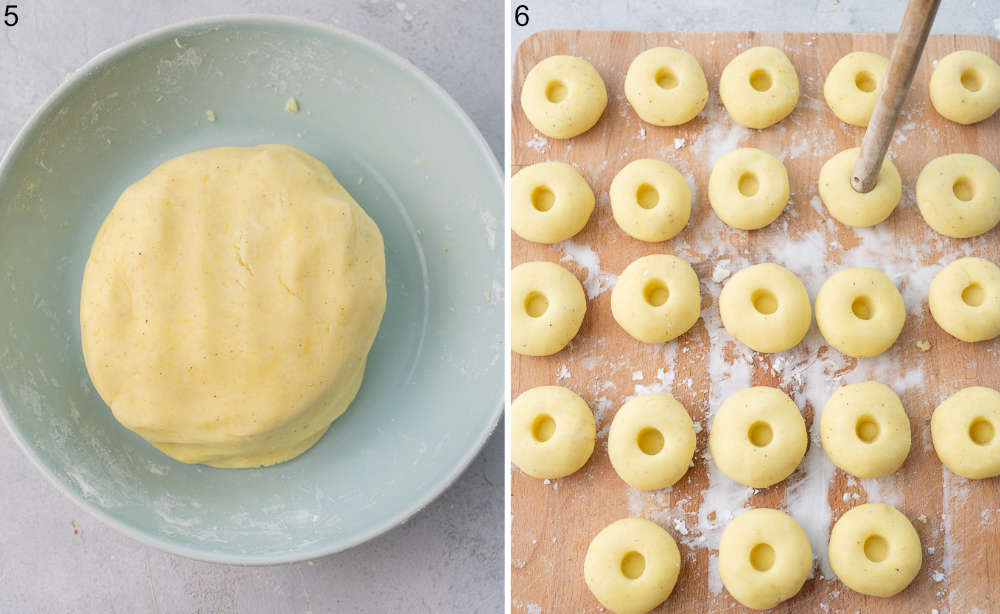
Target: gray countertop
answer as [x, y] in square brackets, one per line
[954, 16]
[55, 557]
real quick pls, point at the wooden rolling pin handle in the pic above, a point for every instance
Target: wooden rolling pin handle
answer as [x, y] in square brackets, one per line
[902, 65]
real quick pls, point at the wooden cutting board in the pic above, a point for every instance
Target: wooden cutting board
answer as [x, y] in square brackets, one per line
[958, 520]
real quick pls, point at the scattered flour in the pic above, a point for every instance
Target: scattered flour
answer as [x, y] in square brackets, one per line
[586, 258]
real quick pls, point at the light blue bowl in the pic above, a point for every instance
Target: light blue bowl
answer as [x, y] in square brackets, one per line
[434, 385]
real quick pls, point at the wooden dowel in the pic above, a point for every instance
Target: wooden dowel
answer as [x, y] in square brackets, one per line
[902, 65]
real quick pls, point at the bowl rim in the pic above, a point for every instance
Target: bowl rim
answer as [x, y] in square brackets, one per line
[105, 59]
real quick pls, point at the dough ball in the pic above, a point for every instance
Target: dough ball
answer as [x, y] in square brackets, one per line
[875, 550]
[851, 207]
[764, 558]
[758, 436]
[865, 430]
[651, 441]
[964, 431]
[547, 306]
[853, 86]
[552, 432]
[563, 96]
[549, 202]
[860, 312]
[748, 188]
[965, 299]
[656, 298]
[229, 303]
[959, 195]
[766, 307]
[965, 87]
[650, 200]
[632, 566]
[666, 86]
[759, 87]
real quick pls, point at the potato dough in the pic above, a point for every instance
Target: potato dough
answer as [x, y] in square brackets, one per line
[656, 298]
[547, 306]
[865, 430]
[666, 86]
[766, 307]
[632, 566]
[229, 302]
[875, 550]
[965, 87]
[860, 312]
[759, 87]
[758, 436]
[651, 441]
[854, 208]
[764, 558]
[964, 431]
[853, 86]
[552, 432]
[965, 299]
[650, 200]
[748, 188]
[563, 96]
[549, 202]
[959, 195]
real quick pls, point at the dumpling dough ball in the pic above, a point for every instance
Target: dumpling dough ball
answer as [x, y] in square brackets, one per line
[549, 202]
[766, 307]
[563, 96]
[547, 308]
[651, 441]
[965, 87]
[860, 312]
[632, 566]
[650, 200]
[764, 558]
[865, 430]
[748, 188]
[854, 208]
[964, 431]
[666, 86]
[229, 303]
[965, 299]
[875, 550]
[853, 86]
[759, 87]
[959, 195]
[758, 436]
[552, 432]
[656, 298]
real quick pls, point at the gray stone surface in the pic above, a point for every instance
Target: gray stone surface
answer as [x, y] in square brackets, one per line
[56, 558]
[954, 16]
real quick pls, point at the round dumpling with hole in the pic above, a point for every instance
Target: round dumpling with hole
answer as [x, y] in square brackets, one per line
[766, 307]
[656, 298]
[758, 436]
[764, 558]
[552, 432]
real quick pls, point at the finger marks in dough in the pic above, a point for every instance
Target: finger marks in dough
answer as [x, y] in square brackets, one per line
[965, 430]
[549, 202]
[563, 96]
[875, 550]
[552, 432]
[748, 188]
[764, 558]
[631, 566]
[547, 308]
[666, 86]
[651, 441]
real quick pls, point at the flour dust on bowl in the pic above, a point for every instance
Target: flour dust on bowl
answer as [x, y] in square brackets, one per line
[406, 153]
